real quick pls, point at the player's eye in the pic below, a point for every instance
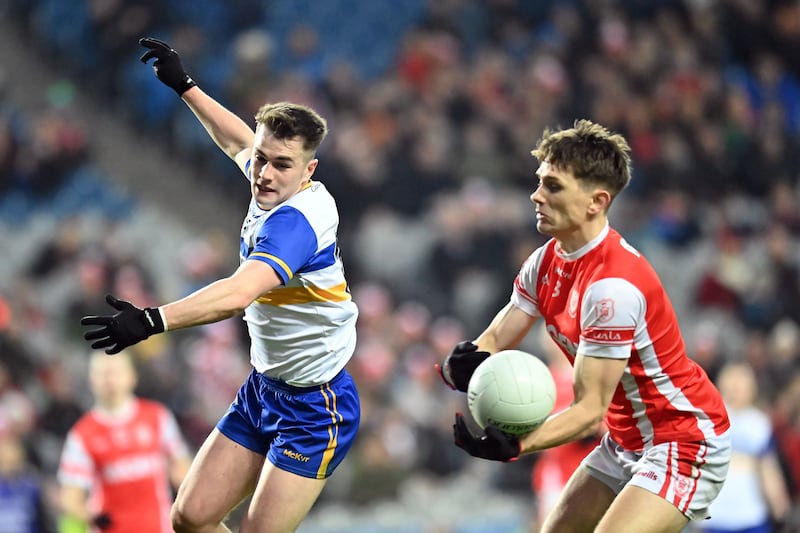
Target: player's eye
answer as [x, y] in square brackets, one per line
[551, 186]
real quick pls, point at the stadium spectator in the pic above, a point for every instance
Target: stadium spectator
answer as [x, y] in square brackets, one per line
[786, 418]
[122, 458]
[606, 308]
[23, 505]
[754, 496]
[16, 408]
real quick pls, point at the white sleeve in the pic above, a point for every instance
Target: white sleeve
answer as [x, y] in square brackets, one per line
[172, 441]
[76, 468]
[611, 310]
[524, 292]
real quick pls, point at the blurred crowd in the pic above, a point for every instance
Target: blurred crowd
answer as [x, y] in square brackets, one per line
[429, 159]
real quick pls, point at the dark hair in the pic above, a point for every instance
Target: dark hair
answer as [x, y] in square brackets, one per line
[287, 120]
[590, 152]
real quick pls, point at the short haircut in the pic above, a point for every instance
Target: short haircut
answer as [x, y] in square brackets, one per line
[287, 120]
[591, 152]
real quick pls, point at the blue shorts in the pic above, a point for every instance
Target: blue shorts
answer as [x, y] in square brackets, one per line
[763, 528]
[303, 430]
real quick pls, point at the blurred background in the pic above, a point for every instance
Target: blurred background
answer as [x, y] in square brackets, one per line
[108, 183]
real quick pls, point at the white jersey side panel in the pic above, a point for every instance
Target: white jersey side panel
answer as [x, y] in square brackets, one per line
[302, 332]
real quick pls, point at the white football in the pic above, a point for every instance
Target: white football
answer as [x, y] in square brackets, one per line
[513, 390]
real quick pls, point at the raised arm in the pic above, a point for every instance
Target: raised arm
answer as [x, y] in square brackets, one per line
[229, 132]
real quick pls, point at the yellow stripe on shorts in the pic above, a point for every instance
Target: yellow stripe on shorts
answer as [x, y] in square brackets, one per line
[333, 429]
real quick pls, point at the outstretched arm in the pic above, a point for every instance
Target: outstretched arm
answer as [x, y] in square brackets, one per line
[229, 132]
[219, 300]
[223, 298]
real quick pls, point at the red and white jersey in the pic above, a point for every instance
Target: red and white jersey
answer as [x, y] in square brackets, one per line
[122, 461]
[605, 300]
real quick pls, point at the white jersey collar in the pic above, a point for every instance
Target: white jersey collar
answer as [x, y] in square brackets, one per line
[585, 249]
[118, 416]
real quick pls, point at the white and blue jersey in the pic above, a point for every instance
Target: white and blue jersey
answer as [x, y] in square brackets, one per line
[299, 407]
[303, 332]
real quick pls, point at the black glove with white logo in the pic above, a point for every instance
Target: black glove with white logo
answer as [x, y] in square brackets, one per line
[125, 328]
[493, 444]
[460, 364]
[167, 66]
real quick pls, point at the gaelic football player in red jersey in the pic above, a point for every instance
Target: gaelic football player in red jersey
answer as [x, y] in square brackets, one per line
[667, 449]
[123, 458]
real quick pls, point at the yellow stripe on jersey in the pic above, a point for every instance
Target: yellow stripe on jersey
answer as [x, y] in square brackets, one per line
[284, 266]
[333, 429]
[304, 295]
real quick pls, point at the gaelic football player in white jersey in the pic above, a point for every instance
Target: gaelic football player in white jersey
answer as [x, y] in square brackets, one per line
[296, 416]
[666, 453]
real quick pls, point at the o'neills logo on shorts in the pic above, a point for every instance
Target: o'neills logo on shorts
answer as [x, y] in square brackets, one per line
[649, 475]
[297, 456]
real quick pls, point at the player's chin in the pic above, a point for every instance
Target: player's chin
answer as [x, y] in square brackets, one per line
[544, 227]
[265, 201]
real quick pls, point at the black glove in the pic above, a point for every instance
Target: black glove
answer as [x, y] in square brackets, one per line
[122, 329]
[493, 444]
[167, 66]
[102, 521]
[460, 364]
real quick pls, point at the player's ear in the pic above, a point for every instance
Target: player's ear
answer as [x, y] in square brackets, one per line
[311, 167]
[601, 199]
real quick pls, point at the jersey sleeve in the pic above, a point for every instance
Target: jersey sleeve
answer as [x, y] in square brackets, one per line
[172, 442]
[523, 295]
[286, 241]
[611, 310]
[76, 467]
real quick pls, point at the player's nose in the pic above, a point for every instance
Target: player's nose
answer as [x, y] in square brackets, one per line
[264, 173]
[536, 196]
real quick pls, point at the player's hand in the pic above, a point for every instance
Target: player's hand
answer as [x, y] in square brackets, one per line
[102, 521]
[493, 444]
[167, 65]
[460, 364]
[120, 330]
